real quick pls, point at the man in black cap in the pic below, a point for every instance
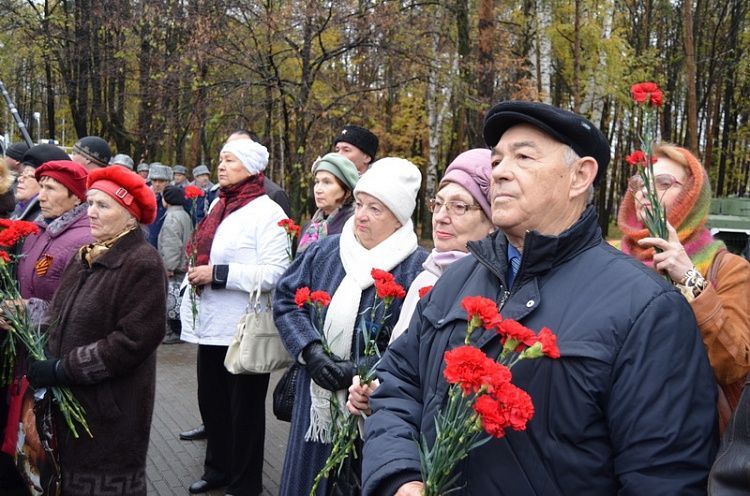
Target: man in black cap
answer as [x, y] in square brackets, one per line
[91, 152]
[358, 145]
[14, 155]
[628, 408]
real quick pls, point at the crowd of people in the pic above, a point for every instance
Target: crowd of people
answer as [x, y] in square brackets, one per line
[654, 334]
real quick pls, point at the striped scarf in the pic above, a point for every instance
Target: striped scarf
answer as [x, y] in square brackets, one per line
[688, 214]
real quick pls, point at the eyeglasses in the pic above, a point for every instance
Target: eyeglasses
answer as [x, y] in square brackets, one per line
[662, 182]
[457, 207]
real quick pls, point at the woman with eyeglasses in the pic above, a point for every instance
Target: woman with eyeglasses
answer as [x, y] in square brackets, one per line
[461, 213]
[380, 235]
[715, 282]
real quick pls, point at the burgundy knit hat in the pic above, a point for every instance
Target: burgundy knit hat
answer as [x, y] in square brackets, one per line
[128, 189]
[473, 170]
[66, 172]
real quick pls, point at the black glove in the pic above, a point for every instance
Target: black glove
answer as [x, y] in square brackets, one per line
[324, 370]
[43, 373]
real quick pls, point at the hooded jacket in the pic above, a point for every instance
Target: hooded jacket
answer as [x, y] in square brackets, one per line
[628, 409]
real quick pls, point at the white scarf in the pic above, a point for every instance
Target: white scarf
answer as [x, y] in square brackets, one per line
[342, 312]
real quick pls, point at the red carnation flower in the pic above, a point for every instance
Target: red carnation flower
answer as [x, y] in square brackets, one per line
[481, 311]
[381, 275]
[490, 411]
[469, 367]
[549, 343]
[193, 192]
[519, 408]
[512, 329]
[289, 226]
[320, 297]
[647, 93]
[302, 296]
[637, 158]
[423, 291]
[496, 376]
[4, 256]
[389, 289]
[16, 230]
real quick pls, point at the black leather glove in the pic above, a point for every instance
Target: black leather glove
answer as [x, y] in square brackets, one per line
[43, 373]
[324, 370]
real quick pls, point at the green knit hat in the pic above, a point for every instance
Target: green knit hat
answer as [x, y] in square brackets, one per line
[340, 166]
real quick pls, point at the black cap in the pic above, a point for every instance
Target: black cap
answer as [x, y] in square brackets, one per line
[95, 149]
[174, 195]
[39, 154]
[361, 138]
[16, 151]
[566, 127]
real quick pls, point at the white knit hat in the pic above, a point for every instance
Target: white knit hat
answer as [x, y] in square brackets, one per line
[253, 155]
[395, 182]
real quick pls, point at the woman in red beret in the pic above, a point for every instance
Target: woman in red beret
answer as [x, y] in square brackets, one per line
[105, 323]
[64, 228]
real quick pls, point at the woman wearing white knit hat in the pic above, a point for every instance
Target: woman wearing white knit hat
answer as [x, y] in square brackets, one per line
[239, 247]
[379, 235]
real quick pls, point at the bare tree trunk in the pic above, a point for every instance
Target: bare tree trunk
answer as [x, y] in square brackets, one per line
[692, 98]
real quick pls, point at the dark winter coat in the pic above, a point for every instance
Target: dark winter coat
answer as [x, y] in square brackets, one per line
[319, 268]
[628, 409]
[105, 324]
[155, 227]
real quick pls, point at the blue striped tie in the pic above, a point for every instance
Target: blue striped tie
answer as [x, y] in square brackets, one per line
[515, 264]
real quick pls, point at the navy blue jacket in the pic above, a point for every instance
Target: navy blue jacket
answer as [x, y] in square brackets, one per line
[628, 409]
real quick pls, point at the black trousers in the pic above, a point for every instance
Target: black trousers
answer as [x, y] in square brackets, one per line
[234, 413]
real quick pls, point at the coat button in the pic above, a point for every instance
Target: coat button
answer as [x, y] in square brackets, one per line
[440, 322]
[529, 303]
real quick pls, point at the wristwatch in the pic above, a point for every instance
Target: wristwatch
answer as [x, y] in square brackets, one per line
[692, 284]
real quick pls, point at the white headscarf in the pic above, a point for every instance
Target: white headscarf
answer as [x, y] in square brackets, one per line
[253, 155]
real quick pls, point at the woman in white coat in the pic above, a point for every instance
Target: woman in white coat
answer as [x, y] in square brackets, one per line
[239, 246]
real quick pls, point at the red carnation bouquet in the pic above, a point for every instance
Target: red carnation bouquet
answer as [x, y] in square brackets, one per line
[482, 401]
[648, 98]
[292, 231]
[387, 290]
[21, 331]
[192, 193]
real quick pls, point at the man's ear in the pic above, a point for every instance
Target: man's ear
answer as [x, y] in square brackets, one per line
[584, 172]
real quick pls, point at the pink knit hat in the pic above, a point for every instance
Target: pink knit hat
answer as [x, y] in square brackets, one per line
[472, 170]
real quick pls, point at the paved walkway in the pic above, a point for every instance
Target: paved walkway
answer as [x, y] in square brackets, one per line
[173, 464]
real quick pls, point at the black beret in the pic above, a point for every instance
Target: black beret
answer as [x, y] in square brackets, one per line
[174, 195]
[39, 154]
[95, 149]
[361, 138]
[16, 151]
[566, 127]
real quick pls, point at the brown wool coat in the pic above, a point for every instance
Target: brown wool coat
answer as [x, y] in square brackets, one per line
[105, 323]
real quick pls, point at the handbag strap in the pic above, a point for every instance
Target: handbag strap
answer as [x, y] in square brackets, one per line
[253, 298]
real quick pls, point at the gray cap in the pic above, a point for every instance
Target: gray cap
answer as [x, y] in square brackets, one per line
[200, 170]
[143, 166]
[122, 159]
[180, 169]
[160, 171]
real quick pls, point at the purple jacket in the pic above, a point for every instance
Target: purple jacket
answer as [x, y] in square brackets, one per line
[45, 255]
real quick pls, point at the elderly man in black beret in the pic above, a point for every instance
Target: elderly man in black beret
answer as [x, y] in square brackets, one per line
[628, 408]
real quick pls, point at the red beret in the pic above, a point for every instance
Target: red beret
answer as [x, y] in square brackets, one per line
[66, 172]
[128, 189]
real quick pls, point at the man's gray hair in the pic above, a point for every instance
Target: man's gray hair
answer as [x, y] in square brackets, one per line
[570, 156]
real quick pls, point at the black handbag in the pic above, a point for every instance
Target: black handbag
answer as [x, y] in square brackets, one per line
[283, 393]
